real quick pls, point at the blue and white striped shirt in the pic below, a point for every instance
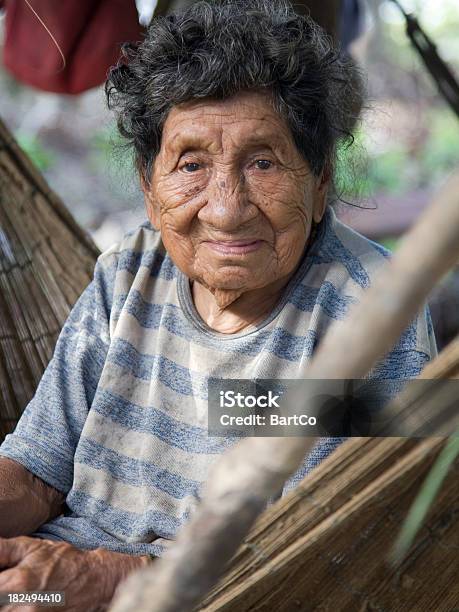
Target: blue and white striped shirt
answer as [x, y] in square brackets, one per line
[119, 420]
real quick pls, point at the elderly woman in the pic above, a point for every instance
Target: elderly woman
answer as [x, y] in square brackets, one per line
[235, 111]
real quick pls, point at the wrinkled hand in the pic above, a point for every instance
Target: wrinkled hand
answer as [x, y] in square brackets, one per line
[88, 578]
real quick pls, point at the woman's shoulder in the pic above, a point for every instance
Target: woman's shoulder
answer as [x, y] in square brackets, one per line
[135, 243]
[133, 262]
[344, 263]
[357, 257]
[340, 265]
[140, 251]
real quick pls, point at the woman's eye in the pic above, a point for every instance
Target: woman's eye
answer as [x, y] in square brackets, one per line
[263, 164]
[191, 167]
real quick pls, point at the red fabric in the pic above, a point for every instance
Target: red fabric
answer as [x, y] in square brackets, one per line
[89, 33]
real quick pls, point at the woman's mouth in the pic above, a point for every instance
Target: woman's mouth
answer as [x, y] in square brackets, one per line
[234, 247]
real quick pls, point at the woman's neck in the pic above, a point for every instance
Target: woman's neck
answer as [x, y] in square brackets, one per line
[248, 309]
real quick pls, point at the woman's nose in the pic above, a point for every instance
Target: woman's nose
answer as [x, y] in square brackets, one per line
[228, 206]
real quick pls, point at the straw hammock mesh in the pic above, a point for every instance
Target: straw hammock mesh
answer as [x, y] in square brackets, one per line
[325, 548]
[46, 260]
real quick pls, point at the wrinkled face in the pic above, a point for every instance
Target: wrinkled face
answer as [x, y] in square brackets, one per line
[231, 194]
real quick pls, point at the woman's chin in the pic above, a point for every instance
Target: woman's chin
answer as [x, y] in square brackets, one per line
[233, 283]
[225, 298]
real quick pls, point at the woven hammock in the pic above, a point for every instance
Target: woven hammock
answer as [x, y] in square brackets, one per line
[46, 260]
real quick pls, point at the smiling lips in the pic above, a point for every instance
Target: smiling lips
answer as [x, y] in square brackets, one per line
[234, 247]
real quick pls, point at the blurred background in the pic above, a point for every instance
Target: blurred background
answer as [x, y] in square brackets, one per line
[407, 144]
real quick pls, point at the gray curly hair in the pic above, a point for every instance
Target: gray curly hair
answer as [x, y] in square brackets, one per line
[218, 49]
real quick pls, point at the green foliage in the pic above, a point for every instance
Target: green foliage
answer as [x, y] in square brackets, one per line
[104, 139]
[385, 172]
[359, 175]
[351, 169]
[42, 157]
[107, 148]
[425, 499]
[395, 170]
[441, 153]
[390, 243]
[109, 156]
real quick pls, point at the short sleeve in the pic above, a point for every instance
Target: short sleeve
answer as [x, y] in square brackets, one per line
[414, 349]
[48, 431]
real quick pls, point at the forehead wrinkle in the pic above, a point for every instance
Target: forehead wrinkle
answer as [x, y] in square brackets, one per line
[257, 139]
[205, 126]
[216, 138]
[193, 137]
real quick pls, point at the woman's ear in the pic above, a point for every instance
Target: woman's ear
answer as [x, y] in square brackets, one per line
[320, 201]
[151, 204]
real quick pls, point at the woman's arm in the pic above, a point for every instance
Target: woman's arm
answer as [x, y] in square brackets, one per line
[88, 578]
[26, 501]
